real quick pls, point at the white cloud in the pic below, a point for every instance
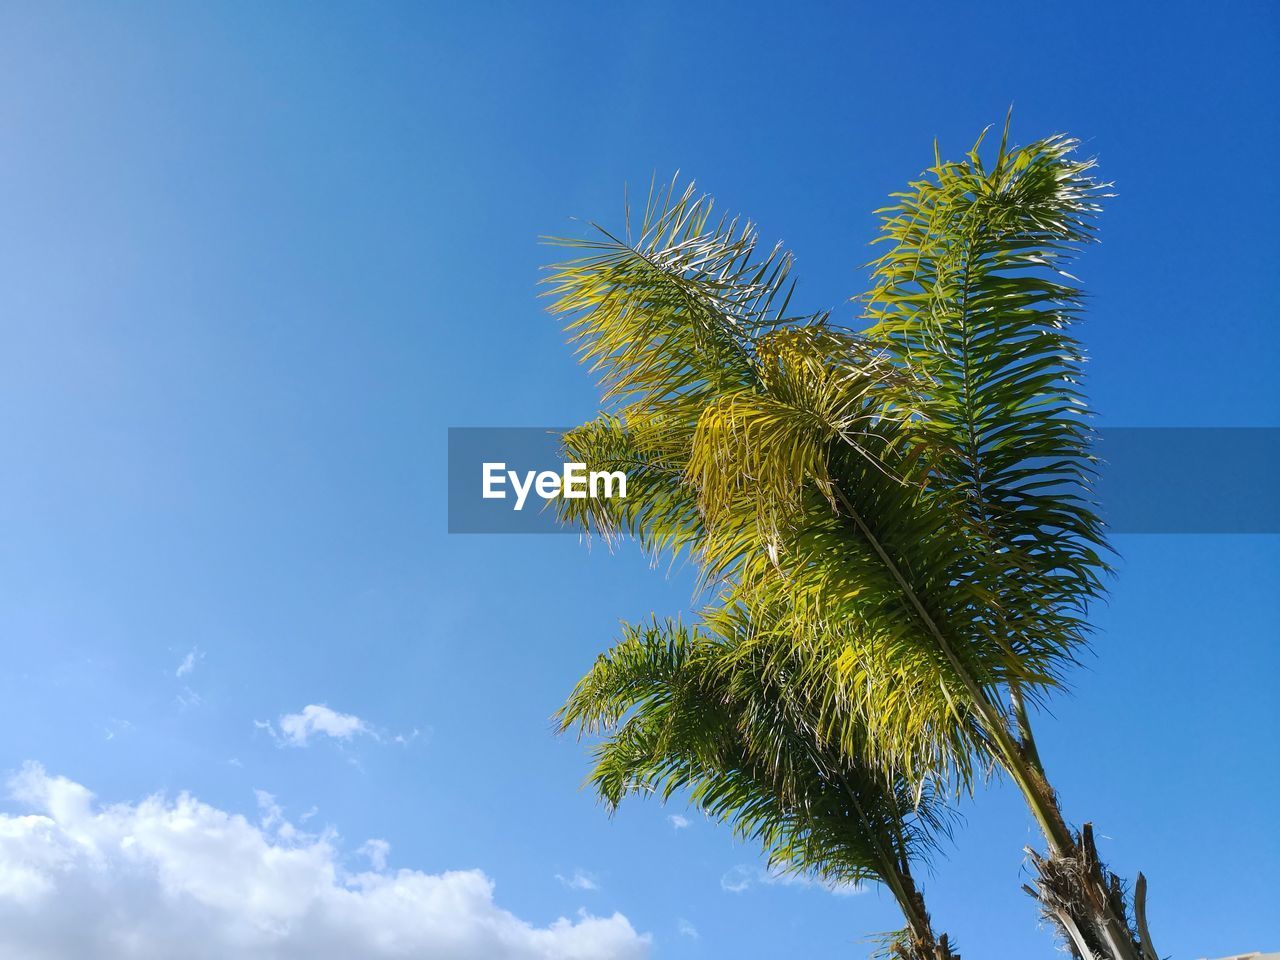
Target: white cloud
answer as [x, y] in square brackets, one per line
[580, 880]
[188, 698]
[377, 851]
[404, 739]
[296, 729]
[167, 878]
[740, 878]
[737, 879]
[115, 728]
[678, 822]
[189, 662]
[686, 929]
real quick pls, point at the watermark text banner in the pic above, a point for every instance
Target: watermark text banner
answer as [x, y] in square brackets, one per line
[1150, 479]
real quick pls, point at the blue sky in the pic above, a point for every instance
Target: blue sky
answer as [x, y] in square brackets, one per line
[257, 259]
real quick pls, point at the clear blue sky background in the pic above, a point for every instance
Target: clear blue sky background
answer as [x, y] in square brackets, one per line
[255, 259]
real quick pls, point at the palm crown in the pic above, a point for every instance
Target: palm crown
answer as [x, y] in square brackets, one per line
[909, 503]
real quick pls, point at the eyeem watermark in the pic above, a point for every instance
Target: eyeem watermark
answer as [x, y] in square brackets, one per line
[573, 482]
[510, 479]
[1150, 480]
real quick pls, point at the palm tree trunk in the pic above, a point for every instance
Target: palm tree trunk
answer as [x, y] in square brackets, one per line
[923, 944]
[920, 942]
[1075, 889]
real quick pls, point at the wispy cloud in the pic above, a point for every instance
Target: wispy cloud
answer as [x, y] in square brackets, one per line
[186, 698]
[376, 851]
[316, 719]
[686, 929]
[737, 879]
[189, 662]
[116, 727]
[678, 822]
[579, 880]
[740, 878]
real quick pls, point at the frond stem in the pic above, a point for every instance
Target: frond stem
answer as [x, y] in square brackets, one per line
[994, 723]
[1030, 778]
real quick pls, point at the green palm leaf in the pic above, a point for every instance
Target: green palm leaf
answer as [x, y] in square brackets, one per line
[700, 712]
[973, 298]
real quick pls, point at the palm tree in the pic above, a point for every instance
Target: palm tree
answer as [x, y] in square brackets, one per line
[913, 500]
[701, 711]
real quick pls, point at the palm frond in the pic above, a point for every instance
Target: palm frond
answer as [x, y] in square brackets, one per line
[660, 510]
[973, 298]
[671, 315]
[690, 710]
